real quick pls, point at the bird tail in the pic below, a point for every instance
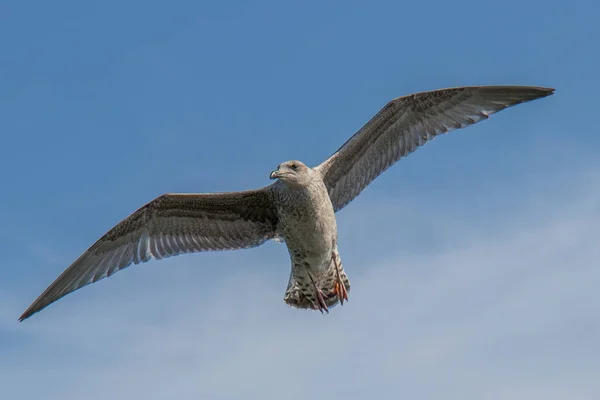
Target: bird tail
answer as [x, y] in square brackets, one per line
[300, 291]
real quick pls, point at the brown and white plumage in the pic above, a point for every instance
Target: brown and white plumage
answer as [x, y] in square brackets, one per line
[407, 123]
[299, 208]
[170, 225]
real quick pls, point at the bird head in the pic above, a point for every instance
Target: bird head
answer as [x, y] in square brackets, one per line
[292, 173]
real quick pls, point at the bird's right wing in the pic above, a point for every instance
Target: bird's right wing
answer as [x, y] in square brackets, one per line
[169, 225]
[407, 123]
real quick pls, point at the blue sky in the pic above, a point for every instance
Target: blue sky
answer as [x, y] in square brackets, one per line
[474, 262]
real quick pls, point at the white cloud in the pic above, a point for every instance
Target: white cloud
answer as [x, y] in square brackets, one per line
[506, 310]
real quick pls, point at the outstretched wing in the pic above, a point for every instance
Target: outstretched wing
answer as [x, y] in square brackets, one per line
[407, 123]
[169, 225]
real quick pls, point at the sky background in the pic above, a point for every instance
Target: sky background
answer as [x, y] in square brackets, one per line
[473, 262]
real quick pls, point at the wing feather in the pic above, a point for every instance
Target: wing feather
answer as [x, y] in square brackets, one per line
[170, 225]
[407, 123]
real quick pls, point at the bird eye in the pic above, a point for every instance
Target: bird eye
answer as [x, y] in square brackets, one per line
[294, 166]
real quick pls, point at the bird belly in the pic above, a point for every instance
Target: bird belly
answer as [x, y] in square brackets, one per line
[310, 246]
[309, 229]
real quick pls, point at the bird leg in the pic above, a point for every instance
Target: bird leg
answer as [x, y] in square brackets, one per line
[321, 304]
[339, 289]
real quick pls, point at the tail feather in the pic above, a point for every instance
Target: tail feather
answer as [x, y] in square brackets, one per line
[300, 292]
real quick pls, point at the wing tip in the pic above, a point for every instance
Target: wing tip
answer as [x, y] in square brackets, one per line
[28, 313]
[514, 95]
[39, 304]
[534, 92]
[543, 91]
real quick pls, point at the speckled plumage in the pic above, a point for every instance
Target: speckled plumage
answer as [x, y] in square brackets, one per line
[299, 208]
[307, 225]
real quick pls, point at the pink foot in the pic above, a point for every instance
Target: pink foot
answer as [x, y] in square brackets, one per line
[339, 289]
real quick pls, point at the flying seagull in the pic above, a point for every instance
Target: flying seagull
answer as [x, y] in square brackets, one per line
[298, 208]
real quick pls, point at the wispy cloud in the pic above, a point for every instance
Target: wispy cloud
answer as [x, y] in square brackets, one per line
[509, 310]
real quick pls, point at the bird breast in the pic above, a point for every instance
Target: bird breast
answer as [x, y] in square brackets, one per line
[307, 223]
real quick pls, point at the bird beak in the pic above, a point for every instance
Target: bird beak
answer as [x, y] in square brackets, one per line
[274, 174]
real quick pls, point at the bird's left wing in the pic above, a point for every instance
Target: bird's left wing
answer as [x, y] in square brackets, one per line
[407, 123]
[169, 225]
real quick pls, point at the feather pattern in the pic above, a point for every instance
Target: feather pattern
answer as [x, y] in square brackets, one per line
[407, 123]
[170, 225]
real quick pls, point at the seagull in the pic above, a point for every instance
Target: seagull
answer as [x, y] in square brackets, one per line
[298, 208]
